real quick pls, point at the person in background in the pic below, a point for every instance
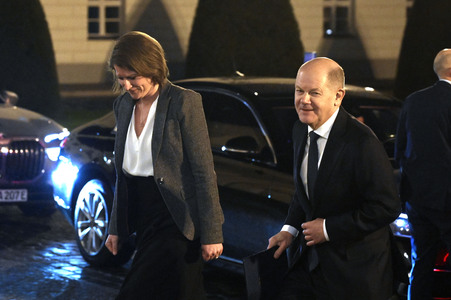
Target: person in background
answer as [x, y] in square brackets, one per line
[345, 198]
[423, 151]
[166, 189]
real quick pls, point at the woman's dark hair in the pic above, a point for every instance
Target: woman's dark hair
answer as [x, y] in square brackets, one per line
[140, 53]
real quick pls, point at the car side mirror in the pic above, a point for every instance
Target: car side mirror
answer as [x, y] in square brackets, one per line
[8, 97]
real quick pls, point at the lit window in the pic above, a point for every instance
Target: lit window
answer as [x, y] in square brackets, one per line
[338, 17]
[104, 19]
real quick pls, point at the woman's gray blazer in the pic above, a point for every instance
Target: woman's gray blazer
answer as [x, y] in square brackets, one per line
[183, 165]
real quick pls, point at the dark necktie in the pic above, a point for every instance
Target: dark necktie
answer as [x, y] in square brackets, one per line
[312, 170]
[312, 164]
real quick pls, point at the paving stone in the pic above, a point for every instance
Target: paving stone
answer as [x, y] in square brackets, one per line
[39, 259]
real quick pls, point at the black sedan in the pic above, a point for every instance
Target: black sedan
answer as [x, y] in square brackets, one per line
[249, 122]
[29, 148]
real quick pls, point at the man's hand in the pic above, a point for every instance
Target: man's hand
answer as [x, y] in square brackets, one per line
[211, 251]
[112, 243]
[283, 239]
[313, 232]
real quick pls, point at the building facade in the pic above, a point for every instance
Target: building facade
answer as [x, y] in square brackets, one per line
[364, 36]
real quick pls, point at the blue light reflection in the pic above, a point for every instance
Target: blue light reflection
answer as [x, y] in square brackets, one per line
[64, 176]
[401, 227]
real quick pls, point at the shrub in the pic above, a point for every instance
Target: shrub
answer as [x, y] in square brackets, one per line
[428, 31]
[255, 37]
[27, 59]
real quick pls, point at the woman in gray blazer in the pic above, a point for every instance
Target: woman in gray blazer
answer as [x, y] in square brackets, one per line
[166, 189]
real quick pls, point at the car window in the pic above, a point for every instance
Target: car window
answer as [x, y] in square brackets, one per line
[103, 126]
[99, 133]
[383, 120]
[282, 120]
[232, 126]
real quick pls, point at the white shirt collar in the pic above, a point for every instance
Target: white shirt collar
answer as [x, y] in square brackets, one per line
[445, 80]
[324, 130]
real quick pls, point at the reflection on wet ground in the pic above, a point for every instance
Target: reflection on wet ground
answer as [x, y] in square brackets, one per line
[39, 259]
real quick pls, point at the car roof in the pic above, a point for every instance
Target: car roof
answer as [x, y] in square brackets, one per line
[269, 87]
[264, 86]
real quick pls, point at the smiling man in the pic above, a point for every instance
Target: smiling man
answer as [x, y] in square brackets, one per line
[345, 197]
[317, 98]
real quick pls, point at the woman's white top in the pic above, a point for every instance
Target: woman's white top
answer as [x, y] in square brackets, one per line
[138, 150]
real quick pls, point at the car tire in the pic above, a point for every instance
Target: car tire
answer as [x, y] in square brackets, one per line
[91, 218]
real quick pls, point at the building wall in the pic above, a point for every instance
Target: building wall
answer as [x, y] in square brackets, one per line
[78, 59]
[309, 14]
[380, 25]
[169, 21]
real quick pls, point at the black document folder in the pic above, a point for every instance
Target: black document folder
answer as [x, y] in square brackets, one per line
[264, 274]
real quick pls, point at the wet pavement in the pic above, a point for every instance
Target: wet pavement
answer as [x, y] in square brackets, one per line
[39, 259]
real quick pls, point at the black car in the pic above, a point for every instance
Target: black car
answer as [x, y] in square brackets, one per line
[29, 148]
[250, 122]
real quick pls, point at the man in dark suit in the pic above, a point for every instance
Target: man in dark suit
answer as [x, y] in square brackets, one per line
[343, 214]
[423, 150]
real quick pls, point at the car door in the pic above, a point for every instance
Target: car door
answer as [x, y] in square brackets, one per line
[244, 163]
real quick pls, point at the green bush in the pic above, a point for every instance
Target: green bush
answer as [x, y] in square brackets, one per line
[27, 62]
[254, 37]
[428, 31]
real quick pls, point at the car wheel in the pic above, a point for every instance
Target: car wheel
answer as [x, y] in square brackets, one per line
[91, 219]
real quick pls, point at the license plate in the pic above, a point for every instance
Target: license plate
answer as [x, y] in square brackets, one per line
[13, 195]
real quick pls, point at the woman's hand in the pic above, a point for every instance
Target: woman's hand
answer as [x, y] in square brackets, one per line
[112, 243]
[211, 251]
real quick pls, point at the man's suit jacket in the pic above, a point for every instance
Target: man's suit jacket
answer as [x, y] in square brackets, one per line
[355, 192]
[182, 161]
[423, 147]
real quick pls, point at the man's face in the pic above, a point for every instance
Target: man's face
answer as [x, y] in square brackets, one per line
[315, 98]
